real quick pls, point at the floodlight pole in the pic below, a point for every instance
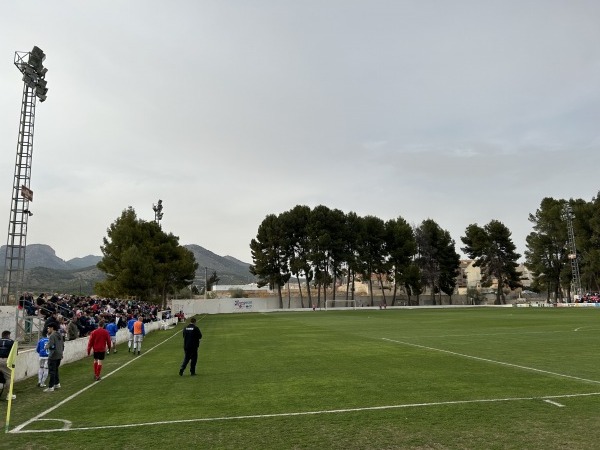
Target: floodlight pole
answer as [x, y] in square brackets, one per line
[567, 215]
[34, 87]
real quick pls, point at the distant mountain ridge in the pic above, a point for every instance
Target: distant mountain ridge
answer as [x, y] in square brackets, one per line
[45, 271]
[41, 255]
[229, 269]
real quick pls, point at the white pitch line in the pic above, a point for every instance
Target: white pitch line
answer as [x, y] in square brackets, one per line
[305, 413]
[18, 428]
[533, 369]
[554, 403]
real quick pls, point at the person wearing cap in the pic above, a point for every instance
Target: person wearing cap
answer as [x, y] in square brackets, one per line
[56, 347]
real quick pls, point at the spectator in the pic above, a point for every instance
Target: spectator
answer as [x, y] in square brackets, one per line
[55, 354]
[42, 351]
[138, 334]
[130, 323]
[6, 344]
[112, 329]
[72, 330]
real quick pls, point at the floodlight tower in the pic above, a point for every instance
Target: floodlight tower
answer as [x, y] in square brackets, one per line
[568, 216]
[30, 64]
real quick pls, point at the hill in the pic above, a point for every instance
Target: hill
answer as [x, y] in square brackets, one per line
[229, 269]
[46, 272]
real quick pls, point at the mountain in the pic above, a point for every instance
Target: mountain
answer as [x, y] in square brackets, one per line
[41, 255]
[86, 261]
[78, 281]
[46, 272]
[229, 269]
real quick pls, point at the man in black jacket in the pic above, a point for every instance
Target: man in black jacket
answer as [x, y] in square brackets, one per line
[6, 344]
[191, 342]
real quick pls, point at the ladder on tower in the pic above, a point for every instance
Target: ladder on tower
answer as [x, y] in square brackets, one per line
[572, 255]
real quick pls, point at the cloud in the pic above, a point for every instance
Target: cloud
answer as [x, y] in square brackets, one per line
[228, 111]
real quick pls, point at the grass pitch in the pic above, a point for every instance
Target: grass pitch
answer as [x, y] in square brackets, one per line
[468, 378]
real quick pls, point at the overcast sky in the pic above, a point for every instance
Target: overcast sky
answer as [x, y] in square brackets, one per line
[458, 111]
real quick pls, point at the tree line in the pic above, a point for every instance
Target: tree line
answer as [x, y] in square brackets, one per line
[548, 254]
[322, 246]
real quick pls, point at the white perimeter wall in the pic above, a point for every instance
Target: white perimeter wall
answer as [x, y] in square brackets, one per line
[192, 307]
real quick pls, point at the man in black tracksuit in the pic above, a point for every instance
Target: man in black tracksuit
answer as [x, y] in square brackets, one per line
[191, 342]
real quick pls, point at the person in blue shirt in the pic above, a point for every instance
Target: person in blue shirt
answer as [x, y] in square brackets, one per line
[130, 323]
[42, 350]
[112, 329]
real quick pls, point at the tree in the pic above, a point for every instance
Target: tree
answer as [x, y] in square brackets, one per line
[174, 266]
[401, 247]
[586, 226]
[269, 255]
[546, 253]
[449, 265]
[494, 252]
[140, 260]
[413, 282]
[371, 250]
[212, 280]
[436, 257]
[296, 222]
[352, 227]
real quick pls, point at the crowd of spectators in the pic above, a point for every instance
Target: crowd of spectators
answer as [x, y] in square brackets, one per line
[590, 297]
[77, 316]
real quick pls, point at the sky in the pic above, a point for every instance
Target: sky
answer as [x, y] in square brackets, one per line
[227, 111]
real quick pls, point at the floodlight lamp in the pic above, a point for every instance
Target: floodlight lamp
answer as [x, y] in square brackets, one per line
[35, 62]
[38, 53]
[40, 92]
[30, 82]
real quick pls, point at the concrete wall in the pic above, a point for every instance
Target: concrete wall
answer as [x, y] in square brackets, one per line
[191, 307]
[7, 319]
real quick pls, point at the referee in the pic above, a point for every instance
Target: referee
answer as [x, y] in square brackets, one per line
[191, 342]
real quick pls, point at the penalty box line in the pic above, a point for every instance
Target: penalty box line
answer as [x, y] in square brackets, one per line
[478, 358]
[19, 428]
[304, 413]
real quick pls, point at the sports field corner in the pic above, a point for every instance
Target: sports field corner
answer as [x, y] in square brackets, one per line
[457, 378]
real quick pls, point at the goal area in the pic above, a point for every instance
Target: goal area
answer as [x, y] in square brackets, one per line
[340, 303]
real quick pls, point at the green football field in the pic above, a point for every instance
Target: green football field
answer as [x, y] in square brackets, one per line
[468, 378]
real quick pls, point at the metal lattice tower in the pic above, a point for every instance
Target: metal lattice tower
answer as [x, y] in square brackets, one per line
[34, 87]
[573, 258]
